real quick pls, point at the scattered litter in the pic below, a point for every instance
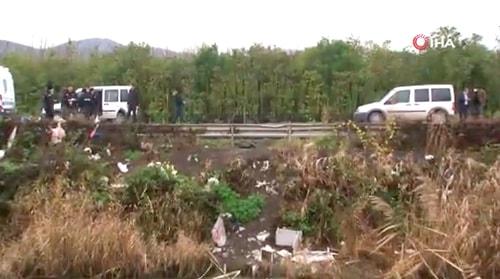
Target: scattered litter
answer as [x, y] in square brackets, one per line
[87, 149]
[10, 142]
[267, 254]
[93, 133]
[240, 229]
[308, 257]
[284, 253]
[216, 250]
[146, 146]
[270, 189]
[213, 181]
[108, 152]
[118, 185]
[265, 166]
[12, 136]
[429, 157]
[193, 158]
[288, 238]
[262, 236]
[95, 157]
[122, 167]
[219, 232]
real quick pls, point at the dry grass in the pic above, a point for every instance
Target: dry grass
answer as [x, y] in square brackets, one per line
[444, 221]
[66, 236]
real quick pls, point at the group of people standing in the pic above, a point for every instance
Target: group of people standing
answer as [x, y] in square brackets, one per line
[89, 102]
[471, 103]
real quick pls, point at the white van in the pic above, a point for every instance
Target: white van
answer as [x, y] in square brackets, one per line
[7, 92]
[428, 102]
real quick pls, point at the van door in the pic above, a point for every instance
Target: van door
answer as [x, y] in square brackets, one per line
[398, 105]
[110, 104]
[421, 104]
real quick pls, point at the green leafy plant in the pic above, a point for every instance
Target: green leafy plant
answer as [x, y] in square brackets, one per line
[242, 209]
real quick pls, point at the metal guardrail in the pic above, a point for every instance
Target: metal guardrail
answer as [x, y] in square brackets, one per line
[261, 131]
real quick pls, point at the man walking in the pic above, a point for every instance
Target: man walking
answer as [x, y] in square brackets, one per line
[179, 106]
[133, 103]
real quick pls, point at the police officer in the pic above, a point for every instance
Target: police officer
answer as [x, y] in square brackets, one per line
[48, 101]
[86, 103]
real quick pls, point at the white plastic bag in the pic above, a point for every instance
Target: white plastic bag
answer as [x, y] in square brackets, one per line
[219, 232]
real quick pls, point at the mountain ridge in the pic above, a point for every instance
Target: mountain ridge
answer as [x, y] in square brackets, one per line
[83, 47]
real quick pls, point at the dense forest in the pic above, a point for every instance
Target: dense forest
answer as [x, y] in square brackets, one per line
[262, 83]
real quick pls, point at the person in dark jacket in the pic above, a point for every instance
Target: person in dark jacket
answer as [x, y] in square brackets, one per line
[98, 102]
[67, 100]
[179, 106]
[133, 103]
[48, 101]
[85, 102]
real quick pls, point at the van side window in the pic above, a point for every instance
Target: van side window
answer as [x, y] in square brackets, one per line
[5, 86]
[401, 96]
[441, 94]
[123, 95]
[111, 95]
[421, 95]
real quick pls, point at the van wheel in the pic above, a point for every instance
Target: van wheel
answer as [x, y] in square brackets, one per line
[120, 118]
[375, 118]
[438, 117]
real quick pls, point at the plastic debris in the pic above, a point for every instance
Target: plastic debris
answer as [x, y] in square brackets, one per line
[219, 232]
[262, 236]
[429, 157]
[122, 167]
[308, 257]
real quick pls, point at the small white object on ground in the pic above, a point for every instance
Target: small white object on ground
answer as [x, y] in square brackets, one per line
[2, 154]
[122, 167]
[262, 236]
[308, 257]
[429, 157]
[87, 149]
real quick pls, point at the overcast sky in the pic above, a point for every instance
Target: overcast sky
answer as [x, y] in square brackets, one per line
[292, 24]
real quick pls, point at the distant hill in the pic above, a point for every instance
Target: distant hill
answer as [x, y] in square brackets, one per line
[83, 47]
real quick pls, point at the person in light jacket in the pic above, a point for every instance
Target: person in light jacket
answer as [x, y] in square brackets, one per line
[463, 104]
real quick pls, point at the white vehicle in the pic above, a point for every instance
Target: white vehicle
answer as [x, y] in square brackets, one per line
[114, 101]
[7, 92]
[428, 102]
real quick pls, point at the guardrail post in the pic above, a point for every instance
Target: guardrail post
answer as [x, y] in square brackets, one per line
[231, 130]
[289, 131]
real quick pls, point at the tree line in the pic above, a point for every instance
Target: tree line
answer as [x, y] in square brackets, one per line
[261, 83]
